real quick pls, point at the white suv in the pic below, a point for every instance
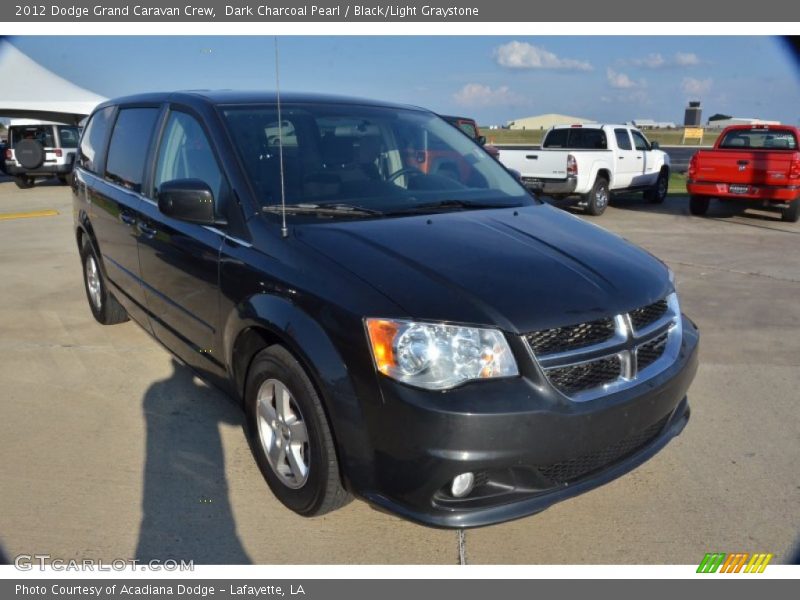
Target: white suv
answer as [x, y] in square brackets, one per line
[40, 149]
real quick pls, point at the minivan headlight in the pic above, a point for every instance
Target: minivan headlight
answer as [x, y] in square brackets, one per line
[436, 356]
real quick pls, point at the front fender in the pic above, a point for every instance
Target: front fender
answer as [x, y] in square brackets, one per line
[282, 321]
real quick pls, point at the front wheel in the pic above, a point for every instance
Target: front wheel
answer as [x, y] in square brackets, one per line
[597, 199]
[658, 193]
[289, 435]
[791, 214]
[698, 205]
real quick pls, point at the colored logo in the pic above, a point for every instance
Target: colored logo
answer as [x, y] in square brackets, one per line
[738, 562]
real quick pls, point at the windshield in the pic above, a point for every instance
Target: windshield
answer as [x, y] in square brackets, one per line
[770, 139]
[380, 159]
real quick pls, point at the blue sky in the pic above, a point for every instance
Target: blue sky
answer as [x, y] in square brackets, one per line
[494, 79]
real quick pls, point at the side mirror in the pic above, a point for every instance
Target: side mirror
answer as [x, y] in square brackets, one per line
[188, 200]
[654, 145]
[481, 140]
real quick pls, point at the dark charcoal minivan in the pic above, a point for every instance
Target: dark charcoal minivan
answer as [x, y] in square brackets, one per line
[422, 332]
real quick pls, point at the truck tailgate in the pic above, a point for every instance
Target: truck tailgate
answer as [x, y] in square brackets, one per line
[764, 167]
[536, 164]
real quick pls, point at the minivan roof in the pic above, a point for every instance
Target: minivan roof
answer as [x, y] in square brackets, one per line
[229, 97]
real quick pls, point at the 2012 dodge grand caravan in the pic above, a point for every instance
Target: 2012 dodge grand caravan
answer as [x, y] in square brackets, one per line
[433, 340]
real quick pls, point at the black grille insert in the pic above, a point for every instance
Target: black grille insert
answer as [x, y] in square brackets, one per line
[585, 376]
[642, 317]
[651, 351]
[571, 337]
[575, 468]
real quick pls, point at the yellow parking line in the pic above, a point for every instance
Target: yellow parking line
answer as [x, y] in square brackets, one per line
[28, 215]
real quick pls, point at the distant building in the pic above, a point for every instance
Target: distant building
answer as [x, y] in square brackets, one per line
[651, 124]
[547, 121]
[723, 123]
[693, 116]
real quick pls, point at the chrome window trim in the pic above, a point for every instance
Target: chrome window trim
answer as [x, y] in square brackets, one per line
[625, 346]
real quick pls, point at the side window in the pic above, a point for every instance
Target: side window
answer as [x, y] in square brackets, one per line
[639, 141]
[94, 137]
[68, 137]
[185, 153]
[127, 151]
[623, 139]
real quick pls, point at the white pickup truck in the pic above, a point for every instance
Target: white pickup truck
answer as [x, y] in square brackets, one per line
[590, 161]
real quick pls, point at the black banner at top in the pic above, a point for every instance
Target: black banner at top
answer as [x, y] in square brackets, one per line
[407, 11]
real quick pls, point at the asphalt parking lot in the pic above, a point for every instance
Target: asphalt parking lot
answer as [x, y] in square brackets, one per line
[112, 450]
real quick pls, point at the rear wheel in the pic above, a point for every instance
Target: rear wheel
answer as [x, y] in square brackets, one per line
[64, 179]
[597, 199]
[289, 435]
[698, 205]
[105, 307]
[24, 182]
[791, 214]
[658, 193]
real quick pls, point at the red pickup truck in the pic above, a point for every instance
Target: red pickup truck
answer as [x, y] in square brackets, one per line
[759, 164]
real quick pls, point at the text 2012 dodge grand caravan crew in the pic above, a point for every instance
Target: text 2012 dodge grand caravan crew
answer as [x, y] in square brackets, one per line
[433, 340]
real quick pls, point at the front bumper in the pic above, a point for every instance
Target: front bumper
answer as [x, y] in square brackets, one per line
[529, 446]
[771, 193]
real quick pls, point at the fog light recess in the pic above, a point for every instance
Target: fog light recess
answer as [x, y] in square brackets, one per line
[462, 485]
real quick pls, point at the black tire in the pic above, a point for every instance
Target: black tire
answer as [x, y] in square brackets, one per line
[30, 154]
[658, 193]
[792, 213]
[64, 179]
[698, 205]
[105, 307]
[321, 491]
[597, 199]
[24, 182]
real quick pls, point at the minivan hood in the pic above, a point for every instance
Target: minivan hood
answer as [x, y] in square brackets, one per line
[518, 269]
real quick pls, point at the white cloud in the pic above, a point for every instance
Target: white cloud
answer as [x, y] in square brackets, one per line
[479, 95]
[657, 60]
[686, 59]
[621, 81]
[521, 55]
[651, 61]
[696, 87]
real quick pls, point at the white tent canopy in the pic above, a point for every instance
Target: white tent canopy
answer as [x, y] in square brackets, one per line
[29, 90]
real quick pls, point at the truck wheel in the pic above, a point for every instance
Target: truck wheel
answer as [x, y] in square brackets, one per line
[698, 205]
[289, 435]
[658, 193]
[792, 213]
[24, 182]
[597, 199]
[105, 307]
[64, 179]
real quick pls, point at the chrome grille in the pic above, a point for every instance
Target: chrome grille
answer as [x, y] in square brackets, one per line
[576, 378]
[595, 358]
[642, 317]
[651, 351]
[571, 337]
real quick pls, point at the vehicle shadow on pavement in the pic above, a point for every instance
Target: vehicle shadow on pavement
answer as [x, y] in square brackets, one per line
[186, 511]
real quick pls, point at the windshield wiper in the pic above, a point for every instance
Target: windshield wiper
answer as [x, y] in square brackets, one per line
[336, 208]
[444, 205]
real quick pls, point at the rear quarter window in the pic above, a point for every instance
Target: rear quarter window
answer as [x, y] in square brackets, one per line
[94, 137]
[130, 142]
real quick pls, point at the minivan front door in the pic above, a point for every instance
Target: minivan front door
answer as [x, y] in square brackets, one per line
[180, 260]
